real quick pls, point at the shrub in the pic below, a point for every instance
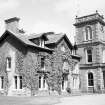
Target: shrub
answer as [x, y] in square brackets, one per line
[68, 90]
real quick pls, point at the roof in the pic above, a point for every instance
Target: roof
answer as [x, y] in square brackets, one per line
[23, 39]
[55, 38]
[76, 56]
[33, 36]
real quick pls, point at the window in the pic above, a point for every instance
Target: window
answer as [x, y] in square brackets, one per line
[42, 43]
[42, 63]
[88, 31]
[90, 79]
[20, 77]
[102, 28]
[63, 48]
[89, 55]
[63, 83]
[39, 81]
[15, 78]
[65, 66]
[8, 62]
[18, 82]
[44, 81]
[2, 82]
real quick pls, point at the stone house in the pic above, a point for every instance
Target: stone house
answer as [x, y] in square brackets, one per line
[25, 61]
[90, 40]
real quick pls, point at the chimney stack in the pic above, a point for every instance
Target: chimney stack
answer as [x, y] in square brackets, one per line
[12, 24]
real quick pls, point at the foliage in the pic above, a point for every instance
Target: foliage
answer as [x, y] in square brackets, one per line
[3, 71]
[54, 80]
[55, 76]
[68, 90]
[28, 67]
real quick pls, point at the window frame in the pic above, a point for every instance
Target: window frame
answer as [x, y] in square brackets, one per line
[42, 42]
[88, 33]
[44, 82]
[18, 82]
[63, 48]
[63, 83]
[15, 82]
[42, 63]
[2, 82]
[39, 82]
[90, 80]
[9, 62]
[89, 56]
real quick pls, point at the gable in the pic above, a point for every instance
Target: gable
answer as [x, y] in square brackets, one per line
[10, 42]
[64, 43]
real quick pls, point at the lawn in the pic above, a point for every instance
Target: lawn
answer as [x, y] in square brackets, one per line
[37, 100]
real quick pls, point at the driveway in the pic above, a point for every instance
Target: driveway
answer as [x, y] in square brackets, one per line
[96, 99]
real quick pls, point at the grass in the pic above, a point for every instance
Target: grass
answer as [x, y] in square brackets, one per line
[37, 100]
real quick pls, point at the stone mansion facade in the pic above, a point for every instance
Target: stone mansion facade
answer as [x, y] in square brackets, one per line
[90, 39]
[26, 61]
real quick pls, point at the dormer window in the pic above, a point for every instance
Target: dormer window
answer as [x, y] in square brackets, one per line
[88, 35]
[42, 43]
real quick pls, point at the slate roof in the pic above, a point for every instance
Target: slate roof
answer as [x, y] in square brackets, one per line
[24, 39]
[34, 35]
[54, 38]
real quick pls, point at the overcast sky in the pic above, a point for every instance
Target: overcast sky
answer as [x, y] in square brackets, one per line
[48, 15]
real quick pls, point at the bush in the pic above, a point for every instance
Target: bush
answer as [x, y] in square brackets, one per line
[68, 90]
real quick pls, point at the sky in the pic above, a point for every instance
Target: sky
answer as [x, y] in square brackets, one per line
[37, 16]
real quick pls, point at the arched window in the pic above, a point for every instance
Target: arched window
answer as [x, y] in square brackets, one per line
[88, 31]
[90, 79]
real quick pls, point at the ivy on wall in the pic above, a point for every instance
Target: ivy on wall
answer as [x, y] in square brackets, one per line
[3, 72]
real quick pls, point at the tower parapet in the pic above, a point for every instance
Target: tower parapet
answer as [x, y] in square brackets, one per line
[96, 17]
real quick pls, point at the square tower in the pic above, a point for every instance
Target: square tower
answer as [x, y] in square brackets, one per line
[90, 39]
